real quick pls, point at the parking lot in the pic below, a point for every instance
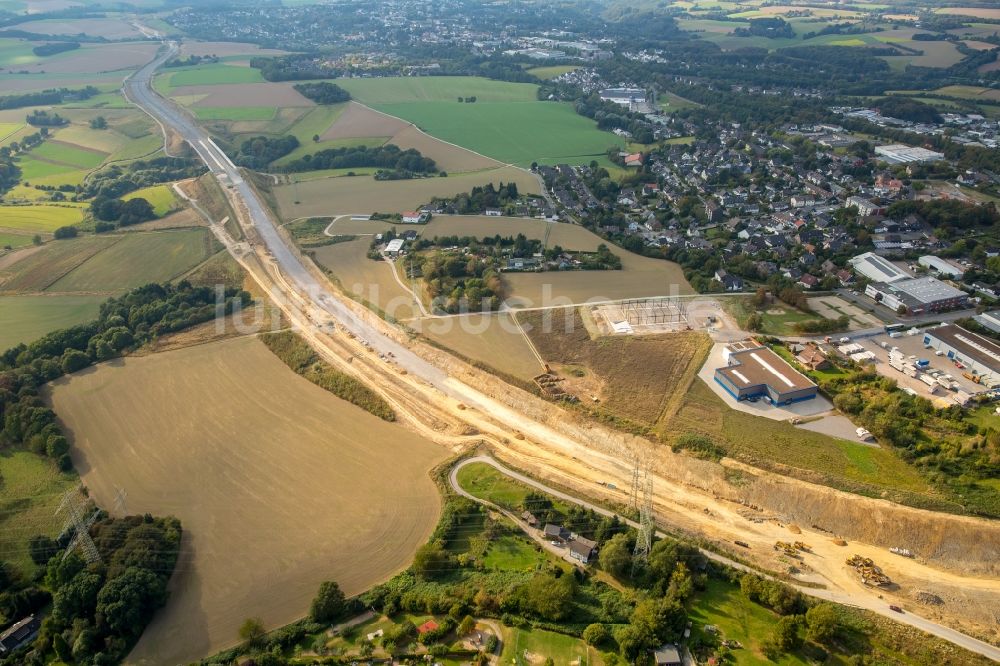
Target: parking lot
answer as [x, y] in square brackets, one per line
[913, 345]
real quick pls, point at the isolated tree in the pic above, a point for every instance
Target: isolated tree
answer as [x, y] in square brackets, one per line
[595, 634]
[329, 603]
[99, 123]
[252, 631]
[315, 138]
[63, 233]
[616, 556]
[467, 626]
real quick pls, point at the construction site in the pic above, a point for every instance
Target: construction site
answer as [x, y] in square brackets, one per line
[643, 316]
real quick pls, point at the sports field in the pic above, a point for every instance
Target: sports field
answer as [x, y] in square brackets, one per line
[39, 217]
[27, 318]
[273, 478]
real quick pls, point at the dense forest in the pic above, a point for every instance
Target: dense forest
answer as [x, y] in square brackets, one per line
[389, 157]
[259, 151]
[323, 92]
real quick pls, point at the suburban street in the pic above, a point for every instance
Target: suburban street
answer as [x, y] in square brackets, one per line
[310, 304]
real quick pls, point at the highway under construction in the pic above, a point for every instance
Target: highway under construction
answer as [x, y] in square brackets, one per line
[461, 407]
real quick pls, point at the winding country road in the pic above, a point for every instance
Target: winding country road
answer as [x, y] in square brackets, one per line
[309, 302]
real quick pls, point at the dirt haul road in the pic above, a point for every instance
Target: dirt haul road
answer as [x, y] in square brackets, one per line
[431, 398]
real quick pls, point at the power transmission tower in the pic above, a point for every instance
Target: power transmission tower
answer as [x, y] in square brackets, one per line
[634, 491]
[644, 542]
[120, 497]
[76, 509]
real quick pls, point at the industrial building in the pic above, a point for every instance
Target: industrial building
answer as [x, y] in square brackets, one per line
[753, 371]
[989, 320]
[878, 269]
[918, 295]
[979, 354]
[623, 96]
[941, 267]
[897, 153]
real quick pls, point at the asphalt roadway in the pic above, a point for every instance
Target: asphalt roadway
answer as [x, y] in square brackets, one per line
[138, 89]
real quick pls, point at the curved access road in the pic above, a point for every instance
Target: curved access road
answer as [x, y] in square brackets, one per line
[958, 638]
[305, 298]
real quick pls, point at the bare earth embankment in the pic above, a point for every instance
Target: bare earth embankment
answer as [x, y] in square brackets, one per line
[279, 485]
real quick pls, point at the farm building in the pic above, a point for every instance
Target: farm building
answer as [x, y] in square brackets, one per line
[940, 266]
[394, 247]
[978, 353]
[20, 633]
[754, 371]
[897, 153]
[414, 217]
[878, 269]
[918, 295]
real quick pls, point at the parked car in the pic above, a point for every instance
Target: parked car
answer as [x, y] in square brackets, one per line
[895, 608]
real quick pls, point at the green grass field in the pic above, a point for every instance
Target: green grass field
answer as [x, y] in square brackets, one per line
[211, 75]
[28, 318]
[33, 169]
[160, 197]
[139, 259]
[485, 482]
[29, 496]
[670, 102]
[395, 90]
[68, 153]
[14, 241]
[560, 648]
[234, 113]
[6, 129]
[552, 71]
[512, 553]
[512, 132]
[723, 605]
[14, 52]
[39, 218]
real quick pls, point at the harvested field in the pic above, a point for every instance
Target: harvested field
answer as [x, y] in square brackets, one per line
[13, 83]
[358, 121]
[391, 90]
[244, 94]
[179, 220]
[332, 196]
[40, 269]
[27, 318]
[139, 259]
[480, 226]
[109, 28]
[93, 59]
[976, 12]
[225, 49]
[369, 280]
[637, 378]
[273, 478]
[493, 340]
[450, 158]
[640, 277]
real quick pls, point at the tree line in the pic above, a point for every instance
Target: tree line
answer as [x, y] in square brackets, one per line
[46, 97]
[323, 92]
